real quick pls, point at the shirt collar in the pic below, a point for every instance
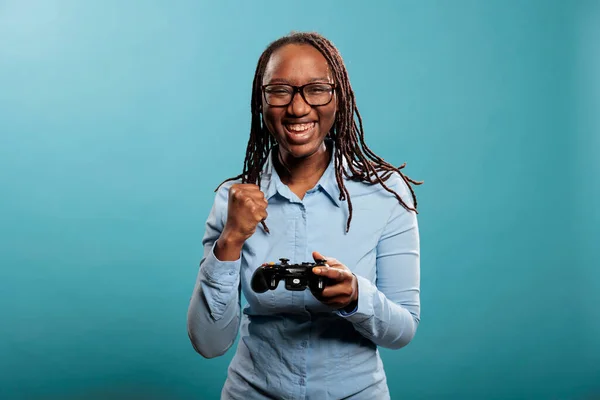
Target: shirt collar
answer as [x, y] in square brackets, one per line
[271, 183]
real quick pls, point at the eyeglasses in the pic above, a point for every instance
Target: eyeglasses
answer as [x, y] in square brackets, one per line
[314, 94]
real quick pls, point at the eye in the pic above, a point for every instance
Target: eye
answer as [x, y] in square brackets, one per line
[318, 89]
[278, 90]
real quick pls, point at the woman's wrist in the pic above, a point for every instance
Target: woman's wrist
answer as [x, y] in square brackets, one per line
[228, 247]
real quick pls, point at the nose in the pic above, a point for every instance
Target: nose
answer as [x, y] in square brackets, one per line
[298, 106]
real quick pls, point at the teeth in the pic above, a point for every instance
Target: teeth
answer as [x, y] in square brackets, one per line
[300, 127]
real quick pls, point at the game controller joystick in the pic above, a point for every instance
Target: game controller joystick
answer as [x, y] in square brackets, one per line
[297, 277]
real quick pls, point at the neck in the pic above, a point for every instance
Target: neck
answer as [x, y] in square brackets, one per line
[303, 171]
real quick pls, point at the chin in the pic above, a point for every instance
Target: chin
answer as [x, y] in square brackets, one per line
[302, 150]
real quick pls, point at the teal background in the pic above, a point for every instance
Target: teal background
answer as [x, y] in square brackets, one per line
[119, 118]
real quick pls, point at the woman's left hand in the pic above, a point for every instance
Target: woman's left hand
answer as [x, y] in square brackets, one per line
[341, 291]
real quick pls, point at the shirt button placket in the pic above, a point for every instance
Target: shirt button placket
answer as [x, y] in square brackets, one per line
[302, 248]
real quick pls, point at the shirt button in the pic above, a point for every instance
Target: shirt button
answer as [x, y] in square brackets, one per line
[303, 344]
[301, 381]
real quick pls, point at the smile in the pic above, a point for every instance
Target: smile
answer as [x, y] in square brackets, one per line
[300, 133]
[300, 128]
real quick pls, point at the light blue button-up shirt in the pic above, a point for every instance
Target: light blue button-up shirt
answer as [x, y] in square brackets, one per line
[291, 345]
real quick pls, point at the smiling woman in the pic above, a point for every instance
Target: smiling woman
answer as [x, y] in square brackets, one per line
[299, 123]
[306, 159]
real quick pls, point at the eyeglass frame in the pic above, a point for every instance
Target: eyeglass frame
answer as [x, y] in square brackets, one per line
[299, 89]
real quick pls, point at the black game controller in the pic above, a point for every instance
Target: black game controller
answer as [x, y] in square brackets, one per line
[297, 277]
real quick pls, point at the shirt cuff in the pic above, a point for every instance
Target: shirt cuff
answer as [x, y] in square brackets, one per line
[364, 307]
[221, 273]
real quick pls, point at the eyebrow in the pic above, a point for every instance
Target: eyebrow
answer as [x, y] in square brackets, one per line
[313, 80]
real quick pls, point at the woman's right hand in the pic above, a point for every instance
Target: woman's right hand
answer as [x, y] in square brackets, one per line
[246, 208]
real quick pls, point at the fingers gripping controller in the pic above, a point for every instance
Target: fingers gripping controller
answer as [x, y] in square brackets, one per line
[297, 277]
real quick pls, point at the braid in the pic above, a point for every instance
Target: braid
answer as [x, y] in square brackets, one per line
[347, 134]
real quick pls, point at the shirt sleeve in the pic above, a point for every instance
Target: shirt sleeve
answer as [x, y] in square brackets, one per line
[213, 316]
[388, 311]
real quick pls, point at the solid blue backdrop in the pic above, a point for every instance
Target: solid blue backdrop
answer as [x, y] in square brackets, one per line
[118, 119]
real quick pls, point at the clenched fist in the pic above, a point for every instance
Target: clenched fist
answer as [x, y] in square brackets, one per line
[246, 208]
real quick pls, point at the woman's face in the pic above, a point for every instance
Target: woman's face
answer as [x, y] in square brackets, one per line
[299, 128]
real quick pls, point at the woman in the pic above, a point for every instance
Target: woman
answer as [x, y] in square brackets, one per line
[310, 189]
